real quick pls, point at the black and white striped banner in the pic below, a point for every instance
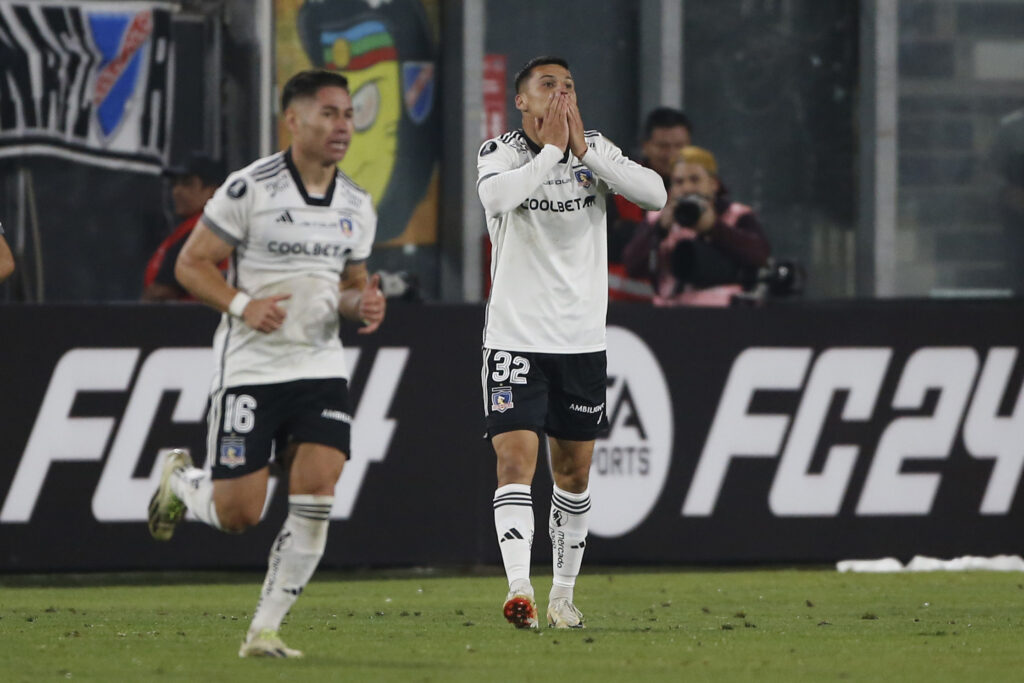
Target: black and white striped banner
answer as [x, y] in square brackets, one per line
[87, 81]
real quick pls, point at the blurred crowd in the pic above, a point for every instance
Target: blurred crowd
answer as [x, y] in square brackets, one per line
[702, 249]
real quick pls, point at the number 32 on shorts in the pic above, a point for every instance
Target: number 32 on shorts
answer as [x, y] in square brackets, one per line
[509, 367]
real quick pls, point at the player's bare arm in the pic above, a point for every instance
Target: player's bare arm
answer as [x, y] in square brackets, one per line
[197, 271]
[6, 260]
[361, 299]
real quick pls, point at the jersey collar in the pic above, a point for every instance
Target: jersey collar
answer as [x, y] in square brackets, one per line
[322, 201]
[535, 148]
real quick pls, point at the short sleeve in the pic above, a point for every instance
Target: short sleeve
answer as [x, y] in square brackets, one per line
[369, 232]
[227, 212]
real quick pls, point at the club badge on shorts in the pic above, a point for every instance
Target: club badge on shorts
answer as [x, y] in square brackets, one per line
[501, 399]
[232, 452]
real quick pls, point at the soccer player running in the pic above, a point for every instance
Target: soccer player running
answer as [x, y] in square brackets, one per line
[298, 233]
[544, 365]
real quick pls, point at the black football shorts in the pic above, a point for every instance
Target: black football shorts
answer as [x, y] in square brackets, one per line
[248, 425]
[560, 394]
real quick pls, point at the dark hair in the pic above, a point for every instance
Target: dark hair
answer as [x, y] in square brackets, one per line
[308, 84]
[665, 117]
[528, 68]
[211, 172]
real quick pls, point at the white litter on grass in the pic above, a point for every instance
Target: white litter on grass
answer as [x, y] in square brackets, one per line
[882, 566]
[920, 563]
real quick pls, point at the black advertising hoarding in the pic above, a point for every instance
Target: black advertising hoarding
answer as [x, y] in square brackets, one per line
[803, 433]
[821, 432]
[91, 394]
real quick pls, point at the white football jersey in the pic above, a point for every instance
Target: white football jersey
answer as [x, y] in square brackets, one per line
[547, 221]
[287, 242]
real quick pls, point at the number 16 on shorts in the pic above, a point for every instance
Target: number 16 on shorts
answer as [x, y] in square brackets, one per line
[238, 413]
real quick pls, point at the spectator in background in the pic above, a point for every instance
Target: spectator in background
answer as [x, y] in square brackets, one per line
[702, 247]
[1008, 157]
[666, 132]
[192, 185]
[6, 257]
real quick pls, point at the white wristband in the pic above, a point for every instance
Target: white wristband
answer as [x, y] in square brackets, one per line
[238, 304]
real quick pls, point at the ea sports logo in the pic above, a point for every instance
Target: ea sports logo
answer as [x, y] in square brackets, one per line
[631, 465]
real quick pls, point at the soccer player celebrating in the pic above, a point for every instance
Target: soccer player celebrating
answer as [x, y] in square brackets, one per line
[298, 233]
[544, 370]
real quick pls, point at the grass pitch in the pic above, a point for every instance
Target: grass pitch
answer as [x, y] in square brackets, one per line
[759, 625]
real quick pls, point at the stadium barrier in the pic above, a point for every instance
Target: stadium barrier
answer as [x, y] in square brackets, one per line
[794, 433]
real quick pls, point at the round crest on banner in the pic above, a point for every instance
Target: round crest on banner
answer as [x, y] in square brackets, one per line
[630, 465]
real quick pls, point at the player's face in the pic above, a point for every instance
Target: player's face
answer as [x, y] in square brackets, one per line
[189, 195]
[664, 146]
[322, 125]
[692, 179]
[544, 80]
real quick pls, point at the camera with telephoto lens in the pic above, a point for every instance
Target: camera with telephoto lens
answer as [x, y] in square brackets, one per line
[689, 209]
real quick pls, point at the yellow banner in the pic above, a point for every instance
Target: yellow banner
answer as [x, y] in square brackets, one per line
[388, 52]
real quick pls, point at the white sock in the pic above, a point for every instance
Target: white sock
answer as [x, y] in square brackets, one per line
[195, 487]
[567, 526]
[293, 558]
[513, 522]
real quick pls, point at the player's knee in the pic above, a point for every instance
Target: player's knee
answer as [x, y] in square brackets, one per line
[573, 481]
[317, 481]
[324, 487]
[572, 475]
[236, 519]
[330, 477]
[512, 475]
[515, 467]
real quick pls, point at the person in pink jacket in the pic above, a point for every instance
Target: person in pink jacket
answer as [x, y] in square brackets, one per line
[702, 247]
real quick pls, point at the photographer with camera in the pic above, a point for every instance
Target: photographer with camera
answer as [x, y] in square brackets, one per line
[702, 248]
